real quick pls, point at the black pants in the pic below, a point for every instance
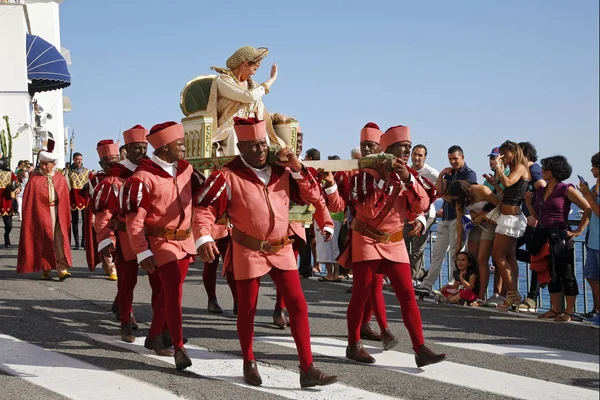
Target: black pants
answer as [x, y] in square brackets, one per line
[75, 225]
[305, 268]
[565, 276]
[8, 225]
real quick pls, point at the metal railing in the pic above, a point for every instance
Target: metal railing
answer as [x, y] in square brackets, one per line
[584, 301]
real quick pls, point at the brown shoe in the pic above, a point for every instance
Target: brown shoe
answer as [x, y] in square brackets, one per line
[127, 333]
[388, 339]
[426, 357]
[367, 333]
[133, 322]
[156, 344]
[356, 352]
[168, 342]
[279, 318]
[251, 375]
[214, 307]
[314, 377]
[182, 360]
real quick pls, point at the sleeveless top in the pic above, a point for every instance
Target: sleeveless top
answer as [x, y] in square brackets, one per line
[514, 194]
[554, 211]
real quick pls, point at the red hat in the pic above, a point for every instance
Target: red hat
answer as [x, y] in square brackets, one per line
[370, 133]
[137, 134]
[249, 130]
[395, 134]
[107, 148]
[165, 133]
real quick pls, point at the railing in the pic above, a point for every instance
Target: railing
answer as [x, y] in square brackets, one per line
[584, 301]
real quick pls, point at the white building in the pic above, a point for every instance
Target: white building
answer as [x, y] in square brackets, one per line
[17, 19]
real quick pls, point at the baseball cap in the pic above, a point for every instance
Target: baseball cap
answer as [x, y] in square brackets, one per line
[495, 152]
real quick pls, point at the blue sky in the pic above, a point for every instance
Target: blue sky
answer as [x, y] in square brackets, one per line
[467, 72]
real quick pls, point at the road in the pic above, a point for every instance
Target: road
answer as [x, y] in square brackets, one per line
[59, 340]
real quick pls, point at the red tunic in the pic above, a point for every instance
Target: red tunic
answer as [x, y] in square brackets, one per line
[6, 202]
[92, 256]
[36, 243]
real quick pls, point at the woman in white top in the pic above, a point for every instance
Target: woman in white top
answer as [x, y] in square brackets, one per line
[235, 94]
[475, 201]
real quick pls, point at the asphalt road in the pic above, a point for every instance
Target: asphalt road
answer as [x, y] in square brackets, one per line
[488, 353]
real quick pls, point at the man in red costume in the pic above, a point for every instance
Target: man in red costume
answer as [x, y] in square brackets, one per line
[44, 243]
[384, 196]
[77, 178]
[111, 229]
[9, 184]
[256, 196]
[108, 152]
[157, 203]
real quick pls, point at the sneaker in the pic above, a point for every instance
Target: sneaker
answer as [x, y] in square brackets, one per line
[592, 321]
[494, 300]
[590, 314]
[528, 305]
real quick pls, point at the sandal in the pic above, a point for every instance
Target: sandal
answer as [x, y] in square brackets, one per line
[564, 317]
[547, 315]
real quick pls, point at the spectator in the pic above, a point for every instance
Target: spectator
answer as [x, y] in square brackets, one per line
[530, 153]
[510, 220]
[122, 153]
[446, 231]
[355, 154]
[464, 288]
[551, 206]
[311, 244]
[591, 270]
[475, 201]
[416, 244]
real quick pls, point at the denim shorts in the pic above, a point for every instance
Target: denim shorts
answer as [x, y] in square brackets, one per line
[591, 270]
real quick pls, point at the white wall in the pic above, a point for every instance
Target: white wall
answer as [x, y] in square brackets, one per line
[14, 99]
[45, 22]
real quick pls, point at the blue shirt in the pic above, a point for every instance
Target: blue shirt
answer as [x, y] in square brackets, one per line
[594, 228]
[463, 174]
[536, 174]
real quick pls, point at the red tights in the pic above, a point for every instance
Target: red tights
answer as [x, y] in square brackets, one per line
[400, 276]
[376, 304]
[209, 273]
[128, 273]
[167, 306]
[288, 283]
[279, 301]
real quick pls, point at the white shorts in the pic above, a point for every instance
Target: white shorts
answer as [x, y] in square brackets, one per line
[511, 225]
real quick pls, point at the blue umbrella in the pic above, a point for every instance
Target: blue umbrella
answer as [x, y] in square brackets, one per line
[46, 67]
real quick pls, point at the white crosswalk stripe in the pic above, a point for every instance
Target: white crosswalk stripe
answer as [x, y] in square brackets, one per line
[228, 368]
[70, 377]
[585, 362]
[481, 379]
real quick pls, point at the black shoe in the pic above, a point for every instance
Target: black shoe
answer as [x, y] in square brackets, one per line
[235, 309]
[7, 241]
[214, 307]
[251, 375]
[76, 246]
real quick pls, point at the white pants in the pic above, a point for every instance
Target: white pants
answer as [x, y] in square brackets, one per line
[444, 242]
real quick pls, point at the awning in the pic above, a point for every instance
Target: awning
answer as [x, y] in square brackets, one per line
[46, 67]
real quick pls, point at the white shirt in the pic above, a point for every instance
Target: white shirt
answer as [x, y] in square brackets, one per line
[170, 168]
[129, 165]
[432, 174]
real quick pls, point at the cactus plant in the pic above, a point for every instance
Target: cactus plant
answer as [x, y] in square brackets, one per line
[6, 145]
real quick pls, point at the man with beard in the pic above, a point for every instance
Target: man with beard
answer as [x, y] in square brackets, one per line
[157, 203]
[416, 244]
[111, 230]
[44, 241]
[256, 197]
[384, 196]
[108, 152]
[77, 178]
